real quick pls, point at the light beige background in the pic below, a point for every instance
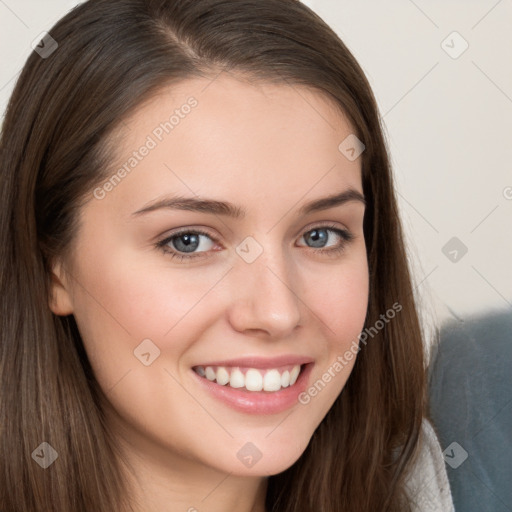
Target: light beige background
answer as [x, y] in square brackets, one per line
[447, 117]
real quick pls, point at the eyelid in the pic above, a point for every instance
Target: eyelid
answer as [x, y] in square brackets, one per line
[323, 225]
[191, 229]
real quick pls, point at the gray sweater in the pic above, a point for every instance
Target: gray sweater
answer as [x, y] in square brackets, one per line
[427, 484]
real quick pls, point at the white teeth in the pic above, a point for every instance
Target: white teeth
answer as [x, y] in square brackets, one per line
[294, 374]
[285, 379]
[237, 379]
[253, 380]
[272, 381]
[222, 376]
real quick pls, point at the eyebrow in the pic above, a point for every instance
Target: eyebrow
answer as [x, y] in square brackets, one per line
[215, 207]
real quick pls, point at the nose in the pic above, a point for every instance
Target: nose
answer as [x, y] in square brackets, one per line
[263, 297]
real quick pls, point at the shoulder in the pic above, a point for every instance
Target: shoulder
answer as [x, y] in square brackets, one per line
[427, 482]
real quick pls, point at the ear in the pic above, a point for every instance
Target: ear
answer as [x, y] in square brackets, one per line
[60, 294]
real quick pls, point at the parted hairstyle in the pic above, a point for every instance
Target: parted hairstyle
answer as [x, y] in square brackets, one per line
[113, 55]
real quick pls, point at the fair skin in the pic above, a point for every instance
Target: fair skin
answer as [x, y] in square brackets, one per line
[269, 149]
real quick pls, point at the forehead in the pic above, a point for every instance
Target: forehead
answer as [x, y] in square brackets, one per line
[229, 137]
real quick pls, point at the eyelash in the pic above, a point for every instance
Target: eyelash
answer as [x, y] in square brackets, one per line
[345, 235]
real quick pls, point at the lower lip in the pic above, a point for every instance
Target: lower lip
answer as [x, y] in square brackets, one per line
[259, 402]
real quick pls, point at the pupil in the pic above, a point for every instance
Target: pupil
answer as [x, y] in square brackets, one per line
[188, 242]
[318, 235]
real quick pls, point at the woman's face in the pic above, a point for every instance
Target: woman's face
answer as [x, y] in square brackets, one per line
[268, 285]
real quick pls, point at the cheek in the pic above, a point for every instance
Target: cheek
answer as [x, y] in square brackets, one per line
[122, 301]
[118, 308]
[339, 303]
[339, 300]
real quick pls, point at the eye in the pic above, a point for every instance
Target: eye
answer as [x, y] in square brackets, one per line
[185, 244]
[329, 239]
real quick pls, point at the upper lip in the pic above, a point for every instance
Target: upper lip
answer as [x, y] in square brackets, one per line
[262, 362]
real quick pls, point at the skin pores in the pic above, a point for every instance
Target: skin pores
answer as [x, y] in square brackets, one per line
[269, 149]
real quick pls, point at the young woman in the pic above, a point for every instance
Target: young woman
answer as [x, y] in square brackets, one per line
[206, 303]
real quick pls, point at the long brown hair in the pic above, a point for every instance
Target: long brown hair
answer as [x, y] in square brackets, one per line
[111, 56]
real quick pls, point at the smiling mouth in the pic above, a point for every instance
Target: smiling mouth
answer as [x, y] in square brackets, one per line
[251, 379]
